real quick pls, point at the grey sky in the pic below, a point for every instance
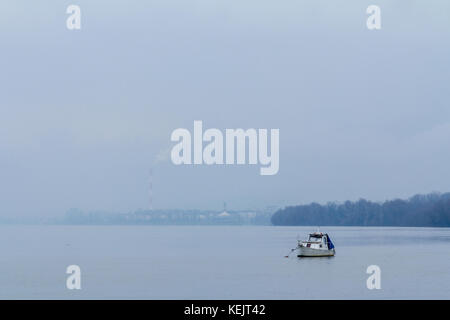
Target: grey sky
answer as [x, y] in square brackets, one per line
[84, 114]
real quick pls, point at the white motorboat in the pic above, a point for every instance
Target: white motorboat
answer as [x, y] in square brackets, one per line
[318, 245]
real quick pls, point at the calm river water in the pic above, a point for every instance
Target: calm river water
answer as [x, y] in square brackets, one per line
[220, 262]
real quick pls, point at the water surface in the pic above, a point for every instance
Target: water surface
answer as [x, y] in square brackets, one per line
[220, 262]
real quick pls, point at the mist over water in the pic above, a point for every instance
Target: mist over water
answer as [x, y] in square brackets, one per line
[220, 262]
[121, 135]
[85, 114]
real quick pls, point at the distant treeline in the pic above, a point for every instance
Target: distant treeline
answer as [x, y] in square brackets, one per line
[431, 210]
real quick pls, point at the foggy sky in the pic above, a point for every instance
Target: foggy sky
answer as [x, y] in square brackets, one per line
[84, 114]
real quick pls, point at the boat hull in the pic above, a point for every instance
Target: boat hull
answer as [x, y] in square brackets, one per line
[311, 252]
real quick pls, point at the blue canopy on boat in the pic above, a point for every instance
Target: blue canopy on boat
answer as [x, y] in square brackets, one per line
[330, 243]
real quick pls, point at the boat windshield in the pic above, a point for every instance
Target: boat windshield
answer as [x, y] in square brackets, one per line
[315, 238]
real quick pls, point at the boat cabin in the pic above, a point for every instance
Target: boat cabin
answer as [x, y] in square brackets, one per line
[317, 240]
